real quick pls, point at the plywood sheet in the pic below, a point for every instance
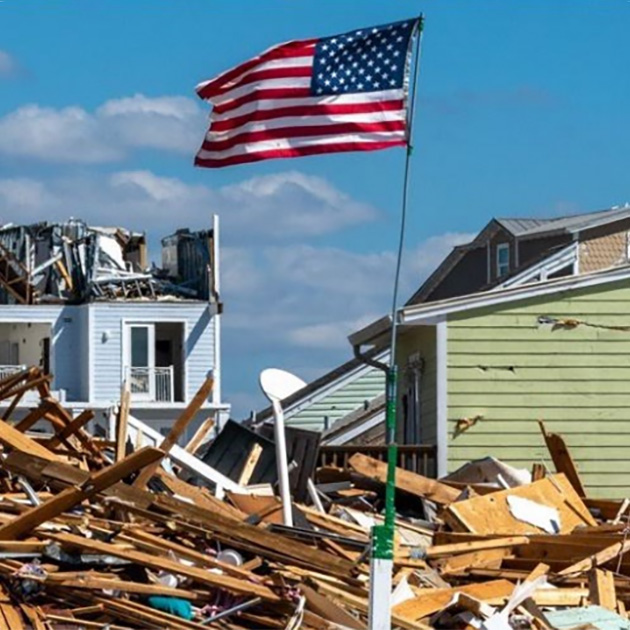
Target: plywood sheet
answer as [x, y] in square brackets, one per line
[490, 514]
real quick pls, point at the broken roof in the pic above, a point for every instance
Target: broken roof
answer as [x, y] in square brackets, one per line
[72, 262]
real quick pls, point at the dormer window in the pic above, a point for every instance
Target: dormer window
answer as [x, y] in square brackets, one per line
[503, 259]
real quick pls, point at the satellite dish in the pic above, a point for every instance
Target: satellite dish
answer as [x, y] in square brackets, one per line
[279, 384]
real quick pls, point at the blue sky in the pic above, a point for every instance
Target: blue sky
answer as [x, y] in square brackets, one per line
[522, 111]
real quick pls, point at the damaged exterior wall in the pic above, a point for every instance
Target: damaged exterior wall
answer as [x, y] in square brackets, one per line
[75, 263]
[510, 371]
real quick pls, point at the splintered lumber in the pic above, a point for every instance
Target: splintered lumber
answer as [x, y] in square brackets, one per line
[14, 439]
[157, 563]
[326, 608]
[562, 459]
[490, 514]
[200, 434]
[78, 423]
[72, 496]
[122, 419]
[178, 429]
[89, 583]
[602, 588]
[250, 463]
[598, 559]
[407, 481]
[478, 545]
[433, 600]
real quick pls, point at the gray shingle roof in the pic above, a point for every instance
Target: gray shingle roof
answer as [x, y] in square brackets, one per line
[569, 223]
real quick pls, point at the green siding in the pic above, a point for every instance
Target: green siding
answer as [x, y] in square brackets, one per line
[506, 367]
[336, 404]
[420, 339]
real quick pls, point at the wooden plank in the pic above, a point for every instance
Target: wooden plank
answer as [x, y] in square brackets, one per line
[538, 471]
[197, 439]
[407, 481]
[72, 496]
[436, 599]
[178, 429]
[70, 429]
[250, 463]
[490, 514]
[488, 559]
[15, 439]
[121, 422]
[327, 609]
[562, 459]
[89, 583]
[467, 547]
[601, 585]
[598, 559]
[202, 576]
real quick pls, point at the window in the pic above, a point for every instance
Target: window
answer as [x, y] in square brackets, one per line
[503, 259]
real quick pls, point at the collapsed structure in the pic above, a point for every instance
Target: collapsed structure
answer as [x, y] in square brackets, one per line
[74, 263]
[89, 306]
[112, 534]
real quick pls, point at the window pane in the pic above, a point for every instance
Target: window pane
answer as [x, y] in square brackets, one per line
[139, 346]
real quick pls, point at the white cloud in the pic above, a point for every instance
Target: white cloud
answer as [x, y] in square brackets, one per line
[277, 207]
[8, 65]
[74, 135]
[289, 302]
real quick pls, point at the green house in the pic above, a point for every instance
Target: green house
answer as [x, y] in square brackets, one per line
[478, 371]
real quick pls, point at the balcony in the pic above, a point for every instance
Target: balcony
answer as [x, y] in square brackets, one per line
[152, 384]
[10, 370]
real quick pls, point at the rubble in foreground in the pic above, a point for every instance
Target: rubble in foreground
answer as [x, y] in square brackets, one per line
[97, 534]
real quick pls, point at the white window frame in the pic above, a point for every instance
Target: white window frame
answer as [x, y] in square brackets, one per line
[503, 269]
[150, 327]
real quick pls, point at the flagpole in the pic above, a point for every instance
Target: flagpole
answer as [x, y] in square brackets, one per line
[381, 566]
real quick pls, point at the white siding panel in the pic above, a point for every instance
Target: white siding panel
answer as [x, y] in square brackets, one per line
[68, 341]
[107, 344]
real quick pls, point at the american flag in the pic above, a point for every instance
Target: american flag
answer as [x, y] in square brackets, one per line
[341, 93]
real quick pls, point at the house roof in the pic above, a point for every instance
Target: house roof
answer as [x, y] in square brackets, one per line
[522, 228]
[356, 423]
[530, 228]
[430, 313]
[324, 382]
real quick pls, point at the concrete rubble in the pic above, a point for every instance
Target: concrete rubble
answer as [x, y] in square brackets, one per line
[105, 533]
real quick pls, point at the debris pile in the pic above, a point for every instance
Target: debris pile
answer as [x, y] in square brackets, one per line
[72, 262]
[97, 534]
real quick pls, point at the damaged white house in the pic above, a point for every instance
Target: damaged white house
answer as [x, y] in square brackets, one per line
[85, 305]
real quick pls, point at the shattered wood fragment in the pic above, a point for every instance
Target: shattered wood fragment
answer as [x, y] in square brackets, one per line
[562, 459]
[72, 496]
[409, 482]
[467, 547]
[491, 514]
[425, 604]
[178, 428]
[598, 559]
[121, 421]
[200, 435]
[226, 582]
[250, 463]
[602, 588]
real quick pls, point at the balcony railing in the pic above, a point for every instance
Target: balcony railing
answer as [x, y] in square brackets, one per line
[153, 384]
[418, 458]
[10, 370]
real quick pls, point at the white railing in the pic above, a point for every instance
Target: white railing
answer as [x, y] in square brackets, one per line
[10, 370]
[154, 384]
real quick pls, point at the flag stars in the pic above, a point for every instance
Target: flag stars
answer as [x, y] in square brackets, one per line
[362, 60]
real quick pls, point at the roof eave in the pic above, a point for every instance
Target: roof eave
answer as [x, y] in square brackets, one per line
[428, 313]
